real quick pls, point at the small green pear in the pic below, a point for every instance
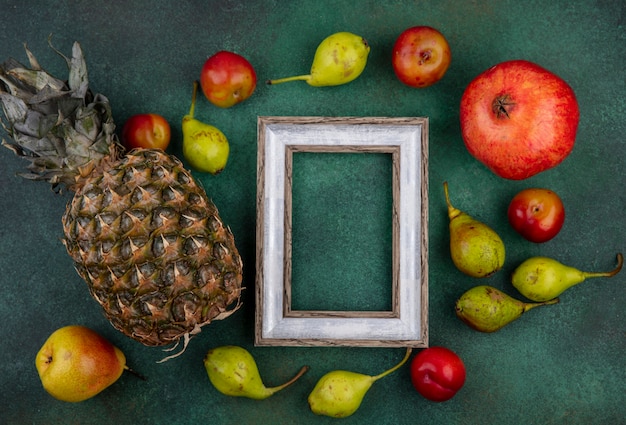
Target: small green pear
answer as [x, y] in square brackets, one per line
[339, 393]
[476, 249]
[543, 278]
[233, 371]
[339, 59]
[205, 147]
[487, 309]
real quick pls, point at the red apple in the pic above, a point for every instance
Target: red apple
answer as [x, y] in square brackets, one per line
[227, 79]
[421, 56]
[519, 119]
[536, 214]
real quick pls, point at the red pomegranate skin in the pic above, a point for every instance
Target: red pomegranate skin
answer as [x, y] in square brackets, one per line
[519, 119]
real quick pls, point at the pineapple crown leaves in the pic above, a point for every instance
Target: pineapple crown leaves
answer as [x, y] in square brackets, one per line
[61, 127]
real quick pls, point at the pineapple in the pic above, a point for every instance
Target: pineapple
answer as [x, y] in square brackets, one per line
[141, 232]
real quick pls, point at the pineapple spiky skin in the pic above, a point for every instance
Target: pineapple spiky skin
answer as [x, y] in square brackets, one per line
[142, 233]
[152, 248]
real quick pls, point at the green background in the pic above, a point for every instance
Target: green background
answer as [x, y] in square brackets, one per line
[558, 364]
[342, 231]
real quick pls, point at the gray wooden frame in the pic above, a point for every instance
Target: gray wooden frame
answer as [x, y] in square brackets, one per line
[406, 139]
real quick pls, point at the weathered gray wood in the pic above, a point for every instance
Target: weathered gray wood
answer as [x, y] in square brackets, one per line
[406, 139]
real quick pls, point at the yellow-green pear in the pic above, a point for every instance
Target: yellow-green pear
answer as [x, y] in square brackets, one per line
[205, 147]
[487, 309]
[339, 393]
[76, 363]
[233, 371]
[543, 278]
[476, 249]
[339, 59]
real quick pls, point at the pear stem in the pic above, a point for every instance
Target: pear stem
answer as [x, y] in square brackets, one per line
[134, 372]
[620, 262]
[287, 79]
[193, 99]
[528, 306]
[396, 367]
[291, 381]
[452, 212]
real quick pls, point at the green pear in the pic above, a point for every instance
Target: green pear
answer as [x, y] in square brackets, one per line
[475, 248]
[339, 393]
[543, 278]
[233, 371]
[487, 309]
[205, 147]
[339, 59]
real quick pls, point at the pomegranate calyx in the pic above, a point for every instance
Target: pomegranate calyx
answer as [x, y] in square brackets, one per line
[502, 105]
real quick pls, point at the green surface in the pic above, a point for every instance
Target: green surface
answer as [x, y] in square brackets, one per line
[563, 364]
[341, 237]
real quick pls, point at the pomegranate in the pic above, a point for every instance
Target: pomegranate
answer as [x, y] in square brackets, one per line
[519, 119]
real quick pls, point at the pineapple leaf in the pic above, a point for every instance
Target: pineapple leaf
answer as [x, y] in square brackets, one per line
[77, 145]
[36, 79]
[88, 123]
[78, 80]
[46, 94]
[59, 128]
[37, 147]
[14, 108]
[15, 87]
[35, 124]
[34, 64]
